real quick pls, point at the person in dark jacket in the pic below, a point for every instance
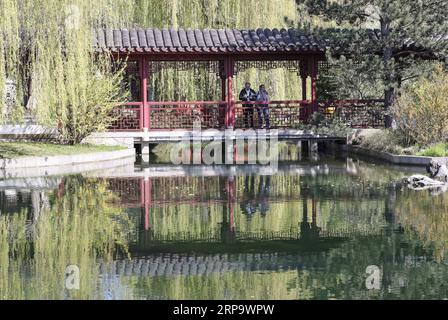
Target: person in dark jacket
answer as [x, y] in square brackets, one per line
[248, 94]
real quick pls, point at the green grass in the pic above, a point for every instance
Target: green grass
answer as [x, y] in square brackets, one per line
[37, 149]
[437, 150]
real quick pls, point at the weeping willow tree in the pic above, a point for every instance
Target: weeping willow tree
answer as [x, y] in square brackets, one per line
[199, 84]
[45, 48]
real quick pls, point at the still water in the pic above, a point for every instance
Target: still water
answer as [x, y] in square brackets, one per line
[307, 230]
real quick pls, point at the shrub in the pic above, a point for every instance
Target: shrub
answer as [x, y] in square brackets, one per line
[421, 112]
[383, 141]
[332, 126]
[88, 107]
[89, 92]
[437, 150]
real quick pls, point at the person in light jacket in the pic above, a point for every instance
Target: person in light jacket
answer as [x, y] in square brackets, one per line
[263, 109]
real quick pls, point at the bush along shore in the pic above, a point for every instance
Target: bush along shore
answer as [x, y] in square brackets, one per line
[387, 141]
[420, 125]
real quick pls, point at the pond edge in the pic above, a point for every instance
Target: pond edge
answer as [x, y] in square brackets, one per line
[62, 160]
[393, 158]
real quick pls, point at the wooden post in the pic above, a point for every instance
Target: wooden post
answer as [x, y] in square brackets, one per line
[303, 77]
[313, 61]
[223, 76]
[230, 112]
[304, 87]
[144, 92]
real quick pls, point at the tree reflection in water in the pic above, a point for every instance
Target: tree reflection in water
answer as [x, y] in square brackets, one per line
[79, 227]
[311, 235]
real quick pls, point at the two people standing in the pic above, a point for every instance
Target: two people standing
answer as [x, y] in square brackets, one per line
[249, 95]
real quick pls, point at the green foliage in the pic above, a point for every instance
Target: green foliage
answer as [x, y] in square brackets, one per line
[384, 141]
[17, 115]
[437, 150]
[396, 21]
[89, 107]
[421, 111]
[78, 226]
[332, 126]
[172, 85]
[392, 142]
[46, 47]
[346, 78]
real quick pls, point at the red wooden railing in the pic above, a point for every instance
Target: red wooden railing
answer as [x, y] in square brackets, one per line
[221, 114]
[183, 115]
[127, 117]
[356, 113]
[281, 114]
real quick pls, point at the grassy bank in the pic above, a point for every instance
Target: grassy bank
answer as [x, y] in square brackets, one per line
[37, 149]
[437, 150]
[388, 141]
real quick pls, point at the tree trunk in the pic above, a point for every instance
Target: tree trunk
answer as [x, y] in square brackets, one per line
[389, 92]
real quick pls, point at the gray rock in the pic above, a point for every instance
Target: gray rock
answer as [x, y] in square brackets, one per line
[420, 182]
[437, 171]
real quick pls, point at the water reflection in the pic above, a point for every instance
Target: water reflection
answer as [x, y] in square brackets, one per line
[255, 198]
[75, 226]
[305, 231]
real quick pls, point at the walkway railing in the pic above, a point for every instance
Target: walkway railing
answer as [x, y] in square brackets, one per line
[216, 114]
[356, 113]
[183, 115]
[127, 117]
[279, 114]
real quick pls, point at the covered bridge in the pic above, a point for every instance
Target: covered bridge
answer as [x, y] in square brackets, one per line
[225, 53]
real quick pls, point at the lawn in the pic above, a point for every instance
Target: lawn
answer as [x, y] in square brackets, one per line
[28, 149]
[387, 141]
[437, 150]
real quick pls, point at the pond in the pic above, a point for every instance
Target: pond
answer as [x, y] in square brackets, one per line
[327, 228]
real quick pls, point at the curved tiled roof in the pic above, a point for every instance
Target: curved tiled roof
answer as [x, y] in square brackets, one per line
[242, 40]
[205, 40]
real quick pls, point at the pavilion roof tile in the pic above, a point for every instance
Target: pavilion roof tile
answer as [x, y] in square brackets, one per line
[205, 40]
[235, 40]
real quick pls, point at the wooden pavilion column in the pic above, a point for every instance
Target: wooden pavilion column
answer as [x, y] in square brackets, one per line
[145, 113]
[144, 69]
[313, 74]
[303, 77]
[229, 69]
[223, 77]
[143, 63]
[304, 113]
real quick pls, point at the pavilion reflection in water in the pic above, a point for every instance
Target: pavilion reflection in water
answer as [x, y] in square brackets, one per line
[226, 243]
[241, 207]
[248, 211]
[314, 222]
[191, 223]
